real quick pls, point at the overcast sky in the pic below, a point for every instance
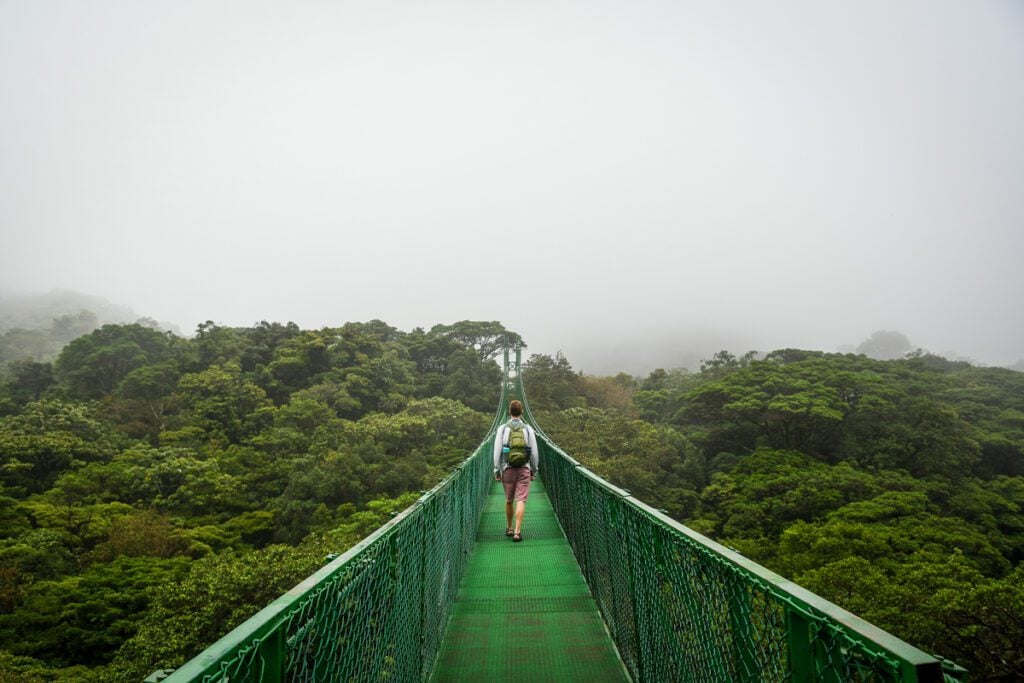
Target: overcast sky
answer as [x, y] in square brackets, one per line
[594, 174]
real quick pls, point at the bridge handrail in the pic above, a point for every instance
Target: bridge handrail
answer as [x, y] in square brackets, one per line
[676, 601]
[377, 611]
[677, 604]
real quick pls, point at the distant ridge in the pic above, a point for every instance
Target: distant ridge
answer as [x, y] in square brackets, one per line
[35, 327]
[37, 311]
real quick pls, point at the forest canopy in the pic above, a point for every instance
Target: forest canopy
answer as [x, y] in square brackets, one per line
[155, 491]
[892, 488]
[158, 490]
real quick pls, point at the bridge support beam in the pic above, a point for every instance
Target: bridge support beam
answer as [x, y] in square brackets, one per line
[272, 656]
[801, 661]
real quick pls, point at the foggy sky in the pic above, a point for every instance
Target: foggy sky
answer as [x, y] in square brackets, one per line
[595, 175]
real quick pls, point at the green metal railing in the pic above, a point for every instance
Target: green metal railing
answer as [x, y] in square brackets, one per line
[678, 605]
[681, 607]
[377, 612]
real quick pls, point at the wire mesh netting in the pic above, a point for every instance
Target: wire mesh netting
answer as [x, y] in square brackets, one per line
[379, 611]
[682, 608]
[524, 611]
[678, 606]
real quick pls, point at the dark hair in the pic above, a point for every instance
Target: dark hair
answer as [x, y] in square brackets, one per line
[515, 408]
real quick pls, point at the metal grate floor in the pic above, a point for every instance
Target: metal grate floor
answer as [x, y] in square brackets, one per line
[523, 611]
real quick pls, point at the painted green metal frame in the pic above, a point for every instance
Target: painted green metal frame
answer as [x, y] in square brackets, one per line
[632, 582]
[647, 635]
[415, 556]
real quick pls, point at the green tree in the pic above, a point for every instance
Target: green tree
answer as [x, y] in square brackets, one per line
[47, 438]
[486, 338]
[218, 593]
[383, 383]
[94, 365]
[657, 464]
[219, 406]
[215, 345]
[475, 383]
[84, 619]
[28, 380]
[297, 362]
[614, 393]
[145, 394]
[769, 405]
[551, 383]
[19, 344]
[262, 341]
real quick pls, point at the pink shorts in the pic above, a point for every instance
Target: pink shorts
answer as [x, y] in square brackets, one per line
[517, 483]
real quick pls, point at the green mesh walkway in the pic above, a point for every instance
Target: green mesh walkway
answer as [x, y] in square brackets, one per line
[542, 626]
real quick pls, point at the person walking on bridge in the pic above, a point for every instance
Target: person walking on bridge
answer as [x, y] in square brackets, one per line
[515, 466]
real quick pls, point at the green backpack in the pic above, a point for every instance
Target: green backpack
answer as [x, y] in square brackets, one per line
[517, 446]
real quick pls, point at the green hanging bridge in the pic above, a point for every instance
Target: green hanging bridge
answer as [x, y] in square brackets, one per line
[604, 588]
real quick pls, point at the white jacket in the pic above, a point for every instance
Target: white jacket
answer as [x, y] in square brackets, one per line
[501, 440]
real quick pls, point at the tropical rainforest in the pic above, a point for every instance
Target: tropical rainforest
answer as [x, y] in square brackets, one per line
[156, 491]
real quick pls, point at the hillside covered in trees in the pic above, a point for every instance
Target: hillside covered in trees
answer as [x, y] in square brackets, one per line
[156, 491]
[35, 327]
[893, 488]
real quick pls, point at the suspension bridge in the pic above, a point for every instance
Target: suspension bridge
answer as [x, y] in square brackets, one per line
[604, 588]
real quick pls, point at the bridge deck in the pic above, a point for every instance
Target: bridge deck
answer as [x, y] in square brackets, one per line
[523, 611]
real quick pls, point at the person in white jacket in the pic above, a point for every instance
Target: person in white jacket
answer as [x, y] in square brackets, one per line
[515, 465]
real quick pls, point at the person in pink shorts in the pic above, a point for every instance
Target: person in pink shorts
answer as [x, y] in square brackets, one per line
[515, 466]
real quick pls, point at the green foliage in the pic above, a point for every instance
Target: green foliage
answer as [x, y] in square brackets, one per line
[614, 393]
[473, 382]
[26, 348]
[85, 618]
[892, 488]
[145, 394]
[770, 489]
[94, 365]
[47, 438]
[877, 415]
[655, 399]
[298, 361]
[143, 477]
[723, 363]
[656, 463]
[32, 556]
[769, 405]
[27, 345]
[551, 383]
[28, 381]
[219, 406]
[485, 338]
[218, 593]
[380, 454]
[138, 458]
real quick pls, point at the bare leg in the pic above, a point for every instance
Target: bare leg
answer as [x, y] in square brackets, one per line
[520, 509]
[508, 515]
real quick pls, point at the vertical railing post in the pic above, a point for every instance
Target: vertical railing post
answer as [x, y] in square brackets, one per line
[801, 658]
[273, 656]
